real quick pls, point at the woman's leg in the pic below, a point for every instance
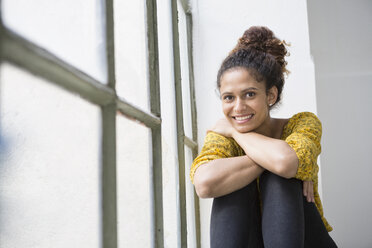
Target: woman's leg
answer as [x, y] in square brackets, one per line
[236, 219]
[316, 235]
[282, 211]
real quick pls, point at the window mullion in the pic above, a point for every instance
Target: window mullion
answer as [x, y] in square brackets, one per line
[190, 143]
[185, 6]
[156, 184]
[40, 62]
[132, 112]
[193, 118]
[110, 43]
[108, 179]
[180, 128]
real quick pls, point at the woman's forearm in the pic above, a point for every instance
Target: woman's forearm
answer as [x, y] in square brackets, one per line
[223, 176]
[272, 154]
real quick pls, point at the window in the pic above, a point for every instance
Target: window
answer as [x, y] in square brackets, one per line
[88, 146]
[186, 124]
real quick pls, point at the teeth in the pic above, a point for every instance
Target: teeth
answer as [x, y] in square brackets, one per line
[242, 118]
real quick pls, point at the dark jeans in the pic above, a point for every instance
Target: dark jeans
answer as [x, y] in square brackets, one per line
[287, 219]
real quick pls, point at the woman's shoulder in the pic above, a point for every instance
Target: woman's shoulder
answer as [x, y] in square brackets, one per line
[303, 115]
[303, 120]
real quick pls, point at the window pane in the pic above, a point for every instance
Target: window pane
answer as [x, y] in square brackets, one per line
[71, 29]
[190, 207]
[131, 52]
[49, 178]
[133, 143]
[184, 71]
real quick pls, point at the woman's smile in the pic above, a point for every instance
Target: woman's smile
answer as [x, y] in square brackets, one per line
[242, 118]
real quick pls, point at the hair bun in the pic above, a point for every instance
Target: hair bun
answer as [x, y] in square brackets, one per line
[263, 39]
[257, 38]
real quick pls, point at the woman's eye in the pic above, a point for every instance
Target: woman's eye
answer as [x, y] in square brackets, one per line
[250, 94]
[228, 98]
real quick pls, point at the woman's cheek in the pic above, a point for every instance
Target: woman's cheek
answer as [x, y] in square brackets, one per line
[226, 109]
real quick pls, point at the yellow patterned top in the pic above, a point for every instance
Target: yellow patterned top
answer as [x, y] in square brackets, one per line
[302, 132]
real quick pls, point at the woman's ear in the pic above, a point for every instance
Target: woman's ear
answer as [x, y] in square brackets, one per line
[272, 95]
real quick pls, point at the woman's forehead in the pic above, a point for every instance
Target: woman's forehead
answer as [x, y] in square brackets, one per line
[239, 79]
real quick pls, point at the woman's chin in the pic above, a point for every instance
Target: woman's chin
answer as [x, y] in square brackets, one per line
[243, 129]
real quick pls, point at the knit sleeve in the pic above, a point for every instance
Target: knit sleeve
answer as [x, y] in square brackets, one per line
[304, 138]
[215, 146]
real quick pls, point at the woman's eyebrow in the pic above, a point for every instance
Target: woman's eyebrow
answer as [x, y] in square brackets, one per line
[250, 88]
[245, 90]
[226, 93]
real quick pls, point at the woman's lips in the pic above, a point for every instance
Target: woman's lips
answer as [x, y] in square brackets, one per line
[242, 118]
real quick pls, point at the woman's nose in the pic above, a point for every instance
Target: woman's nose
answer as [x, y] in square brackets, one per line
[240, 106]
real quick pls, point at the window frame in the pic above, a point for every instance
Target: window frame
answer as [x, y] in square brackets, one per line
[182, 139]
[29, 56]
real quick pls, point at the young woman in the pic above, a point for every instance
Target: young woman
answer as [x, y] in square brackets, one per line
[261, 171]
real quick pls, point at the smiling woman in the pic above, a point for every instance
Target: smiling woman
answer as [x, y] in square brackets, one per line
[244, 98]
[248, 144]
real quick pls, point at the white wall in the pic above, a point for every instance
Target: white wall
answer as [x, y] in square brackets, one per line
[217, 27]
[341, 38]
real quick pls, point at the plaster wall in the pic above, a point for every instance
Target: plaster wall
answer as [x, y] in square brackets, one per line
[340, 35]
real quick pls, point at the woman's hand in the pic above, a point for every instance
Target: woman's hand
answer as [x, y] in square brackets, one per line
[308, 190]
[223, 127]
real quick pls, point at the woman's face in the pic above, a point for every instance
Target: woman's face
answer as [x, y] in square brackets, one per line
[245, 101]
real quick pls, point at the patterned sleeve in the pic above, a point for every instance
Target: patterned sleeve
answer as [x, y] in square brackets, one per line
[215, 146]
[306, 132]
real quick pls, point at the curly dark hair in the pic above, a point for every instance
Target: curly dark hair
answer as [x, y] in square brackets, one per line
[262, 54]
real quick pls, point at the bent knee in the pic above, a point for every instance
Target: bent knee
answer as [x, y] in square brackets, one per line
[248, 192]
[274, 184]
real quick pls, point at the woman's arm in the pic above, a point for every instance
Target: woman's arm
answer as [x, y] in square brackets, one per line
[223, 176]
[272, 154]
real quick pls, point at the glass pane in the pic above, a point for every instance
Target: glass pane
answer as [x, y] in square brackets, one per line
[49, 178]
[131, 52]
[133, 176]
[187, 122]
[190, 207]
[71, 29]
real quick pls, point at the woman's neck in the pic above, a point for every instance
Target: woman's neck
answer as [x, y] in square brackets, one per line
[272, 127]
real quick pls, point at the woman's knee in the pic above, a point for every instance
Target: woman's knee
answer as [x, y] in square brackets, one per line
[237, 205]
[279, 187]
[248, 192]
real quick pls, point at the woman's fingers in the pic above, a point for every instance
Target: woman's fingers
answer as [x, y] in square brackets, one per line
[308, 190]
[304, 188]
[311, 190]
